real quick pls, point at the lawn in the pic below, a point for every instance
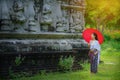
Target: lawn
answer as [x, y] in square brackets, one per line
[108, 70]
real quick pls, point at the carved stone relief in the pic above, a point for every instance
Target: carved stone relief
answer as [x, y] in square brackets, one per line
[24, 16]
[4, 16]
[17, 15]
[46, 19]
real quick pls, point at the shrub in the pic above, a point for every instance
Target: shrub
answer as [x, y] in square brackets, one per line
[116, 36]
[15, 75]
[18, 60]
[107, 37]
[85, 65]
[66, 63]
[112, 35]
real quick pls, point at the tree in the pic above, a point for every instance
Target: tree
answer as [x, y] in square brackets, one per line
[102, 13]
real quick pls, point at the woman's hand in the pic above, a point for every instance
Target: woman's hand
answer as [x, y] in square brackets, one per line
[91, 51]
[95, 53]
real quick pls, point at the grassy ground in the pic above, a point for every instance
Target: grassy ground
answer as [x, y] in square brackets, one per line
[109, 70]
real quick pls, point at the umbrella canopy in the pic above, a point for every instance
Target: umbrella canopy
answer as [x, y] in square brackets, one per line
[87, 35]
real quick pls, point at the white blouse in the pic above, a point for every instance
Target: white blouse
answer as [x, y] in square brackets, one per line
[95, 45]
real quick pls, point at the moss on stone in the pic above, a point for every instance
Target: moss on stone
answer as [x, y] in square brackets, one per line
[40, 36]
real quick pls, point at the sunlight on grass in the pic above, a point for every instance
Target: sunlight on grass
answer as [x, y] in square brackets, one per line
[105, 72]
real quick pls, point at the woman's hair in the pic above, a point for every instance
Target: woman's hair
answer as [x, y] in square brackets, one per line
[96, 37]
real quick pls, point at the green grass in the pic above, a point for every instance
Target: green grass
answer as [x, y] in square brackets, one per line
[106, 72]
[109, 70]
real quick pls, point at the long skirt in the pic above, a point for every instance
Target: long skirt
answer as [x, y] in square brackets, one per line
[93, 63]
[98, 57]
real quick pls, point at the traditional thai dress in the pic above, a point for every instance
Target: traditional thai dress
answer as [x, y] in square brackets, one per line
[94, 59]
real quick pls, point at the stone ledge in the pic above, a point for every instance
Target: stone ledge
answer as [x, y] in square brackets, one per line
[40, 45]
[41, 36]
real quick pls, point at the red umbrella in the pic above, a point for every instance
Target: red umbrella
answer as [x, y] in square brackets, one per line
[87, 35]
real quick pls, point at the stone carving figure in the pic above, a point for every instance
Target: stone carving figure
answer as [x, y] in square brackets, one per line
[77, 20]
[31, 16]
[38, 6]
[61, 25]
[64, 22]
[17, 13]
[4, 16]
[18, 10]
[46, 20]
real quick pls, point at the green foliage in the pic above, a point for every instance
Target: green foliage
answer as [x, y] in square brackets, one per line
[116, 36]
[84, 65]
[112, 35]
[111, 46]
[14, 75]
[33, 62]
[105, 72]
[18, 60]
[107, 37]
[18, 75]
[102, 14]
[11, 73]
[66, 63]
[43, 72]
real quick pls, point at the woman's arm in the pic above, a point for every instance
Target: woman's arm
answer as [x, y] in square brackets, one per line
[94, 51]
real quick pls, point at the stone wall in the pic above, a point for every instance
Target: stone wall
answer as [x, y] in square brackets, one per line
[36, 16]
[40, 45]
[41, 31]
[30, 22]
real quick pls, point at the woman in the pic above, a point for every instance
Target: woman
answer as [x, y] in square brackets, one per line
[94, 53]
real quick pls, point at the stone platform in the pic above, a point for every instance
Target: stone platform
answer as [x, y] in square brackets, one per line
[39, 32]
